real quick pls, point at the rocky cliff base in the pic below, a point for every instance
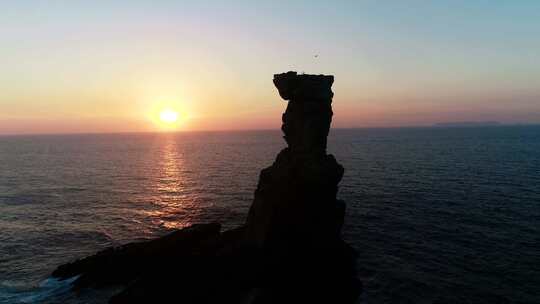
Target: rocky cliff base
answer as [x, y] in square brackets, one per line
[200, 264]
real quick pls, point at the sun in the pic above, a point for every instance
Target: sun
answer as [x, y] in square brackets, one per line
[168, 116]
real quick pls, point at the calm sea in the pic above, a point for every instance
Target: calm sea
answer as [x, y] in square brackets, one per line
[438, 215]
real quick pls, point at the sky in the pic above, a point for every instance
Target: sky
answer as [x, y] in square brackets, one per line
[114, 66]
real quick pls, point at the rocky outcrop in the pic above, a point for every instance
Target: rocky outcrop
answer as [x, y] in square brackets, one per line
[295, 217]
[295, 201]
[123, 264]
[290, 249]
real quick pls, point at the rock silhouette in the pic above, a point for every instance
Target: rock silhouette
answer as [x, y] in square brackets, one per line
[289, 250]
[295, 199]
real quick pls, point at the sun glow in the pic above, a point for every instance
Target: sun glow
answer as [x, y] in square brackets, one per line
[168, 116]
[168, 113]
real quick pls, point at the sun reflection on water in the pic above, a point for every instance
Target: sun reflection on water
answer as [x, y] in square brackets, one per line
[173, 206]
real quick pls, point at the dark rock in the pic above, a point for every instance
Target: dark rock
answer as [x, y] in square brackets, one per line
[221, 271]
[290, 249]
[306, 122]
[121, 265]
[295, 200]
[295, 217]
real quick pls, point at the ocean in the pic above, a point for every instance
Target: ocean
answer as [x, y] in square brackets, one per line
[438, 215]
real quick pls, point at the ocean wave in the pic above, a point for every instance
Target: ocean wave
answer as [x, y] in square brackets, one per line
[51, 288]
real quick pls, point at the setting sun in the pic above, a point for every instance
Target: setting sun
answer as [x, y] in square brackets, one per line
[168, 116]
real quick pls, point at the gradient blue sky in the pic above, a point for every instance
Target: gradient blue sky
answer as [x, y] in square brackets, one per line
[111, 66]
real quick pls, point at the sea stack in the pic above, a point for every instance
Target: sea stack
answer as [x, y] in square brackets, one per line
[295, 201]
[295, 217]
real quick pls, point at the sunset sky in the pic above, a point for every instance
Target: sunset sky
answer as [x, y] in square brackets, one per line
[99, 66]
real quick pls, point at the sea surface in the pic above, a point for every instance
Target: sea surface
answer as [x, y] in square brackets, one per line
[438, 215]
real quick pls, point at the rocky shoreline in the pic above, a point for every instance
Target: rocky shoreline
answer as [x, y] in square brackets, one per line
[289, 250]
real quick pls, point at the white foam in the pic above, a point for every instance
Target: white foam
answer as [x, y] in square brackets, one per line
[47, 289]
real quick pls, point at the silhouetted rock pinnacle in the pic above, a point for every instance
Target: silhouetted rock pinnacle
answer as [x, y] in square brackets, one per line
[296, 196]
[295, 217]
[306, 121]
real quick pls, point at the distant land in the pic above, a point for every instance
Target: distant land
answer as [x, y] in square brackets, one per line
[468, 124]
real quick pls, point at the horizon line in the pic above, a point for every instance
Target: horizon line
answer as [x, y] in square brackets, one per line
[434, 126]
